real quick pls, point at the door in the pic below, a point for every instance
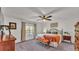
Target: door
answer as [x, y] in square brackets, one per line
[29, 31]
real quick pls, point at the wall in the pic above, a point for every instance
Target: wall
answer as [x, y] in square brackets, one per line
[1, 19]
[40, 27]
[17, 31]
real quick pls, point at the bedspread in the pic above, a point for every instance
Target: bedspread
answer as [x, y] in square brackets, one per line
[48, 38]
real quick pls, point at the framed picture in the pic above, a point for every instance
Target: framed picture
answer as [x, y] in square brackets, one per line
[54, 24]
[12, 25]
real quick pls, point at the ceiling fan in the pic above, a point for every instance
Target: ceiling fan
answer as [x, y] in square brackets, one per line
[45, 18]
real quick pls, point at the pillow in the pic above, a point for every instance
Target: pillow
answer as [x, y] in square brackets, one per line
[39, 35]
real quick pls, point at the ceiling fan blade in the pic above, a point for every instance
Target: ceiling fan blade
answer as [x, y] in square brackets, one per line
[49, 19]
[49, 16]
[36, 10]
[56, 10]
[40, 16]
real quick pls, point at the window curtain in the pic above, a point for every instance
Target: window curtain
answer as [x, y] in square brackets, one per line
[23, 31]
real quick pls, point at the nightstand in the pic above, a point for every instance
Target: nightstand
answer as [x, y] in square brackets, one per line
[66, 38]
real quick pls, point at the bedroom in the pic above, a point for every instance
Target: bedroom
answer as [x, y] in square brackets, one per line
[62, 22]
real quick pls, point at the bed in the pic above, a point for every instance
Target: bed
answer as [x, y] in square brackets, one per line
[51, 39]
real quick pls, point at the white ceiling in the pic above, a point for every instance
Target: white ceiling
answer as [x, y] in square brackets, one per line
[32, 13]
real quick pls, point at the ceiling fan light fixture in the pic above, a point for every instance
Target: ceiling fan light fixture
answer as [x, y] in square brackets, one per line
[44, 20]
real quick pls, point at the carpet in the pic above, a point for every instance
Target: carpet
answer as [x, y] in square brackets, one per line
[34, 45]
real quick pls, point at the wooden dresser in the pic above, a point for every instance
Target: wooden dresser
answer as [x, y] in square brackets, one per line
[7, 43]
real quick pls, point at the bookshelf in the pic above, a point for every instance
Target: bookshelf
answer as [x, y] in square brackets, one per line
[77, 36]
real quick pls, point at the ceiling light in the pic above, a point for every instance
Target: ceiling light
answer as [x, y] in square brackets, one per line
[44, 20]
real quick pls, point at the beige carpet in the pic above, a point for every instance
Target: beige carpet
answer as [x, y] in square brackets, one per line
[33, 45]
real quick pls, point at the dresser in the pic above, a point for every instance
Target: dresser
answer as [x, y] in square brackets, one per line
[7, 43]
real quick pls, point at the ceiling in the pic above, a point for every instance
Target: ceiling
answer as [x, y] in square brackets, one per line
[32, 13]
